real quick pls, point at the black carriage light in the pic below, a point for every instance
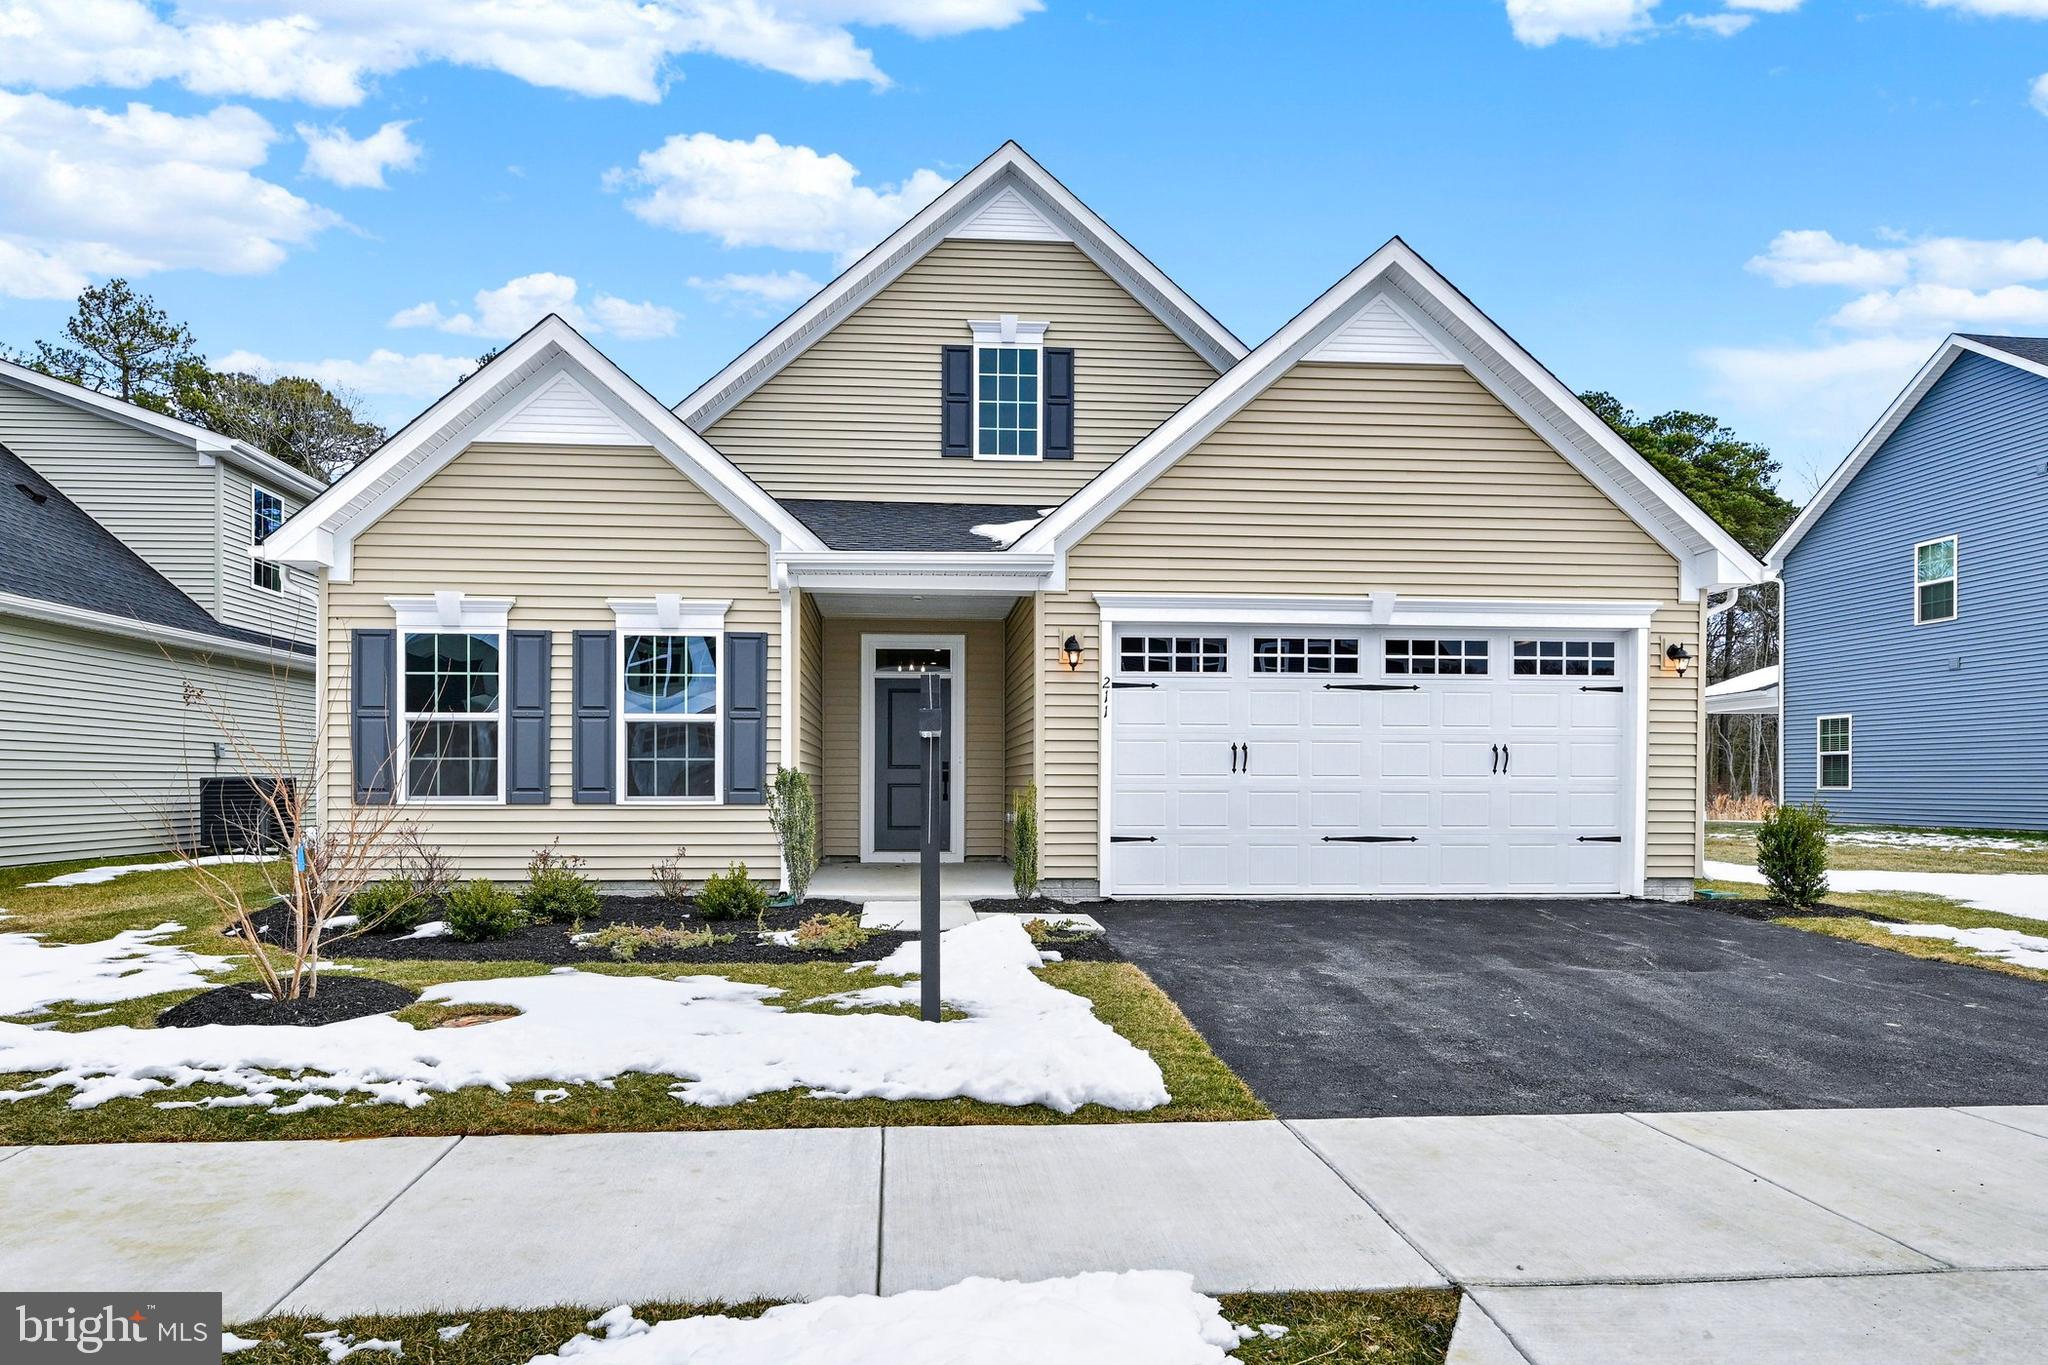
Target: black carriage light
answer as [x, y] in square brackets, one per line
[1679, 658]
[1070, 654]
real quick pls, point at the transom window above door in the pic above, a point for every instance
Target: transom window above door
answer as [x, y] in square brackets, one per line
[1173, 654]
[1934, 581]
[669, 710]
[912, 659]
[1408, 657]
[1564, 658]
[1304, 654]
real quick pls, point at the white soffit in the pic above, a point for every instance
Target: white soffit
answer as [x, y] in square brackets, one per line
[564, 413]
[1007, 218]
[1381, 334]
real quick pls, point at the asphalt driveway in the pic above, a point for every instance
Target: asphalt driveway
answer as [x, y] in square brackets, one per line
[1551, 1007]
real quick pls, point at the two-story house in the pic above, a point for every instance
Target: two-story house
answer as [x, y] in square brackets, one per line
[128, 575]
[1374, 607]
[1912, 583]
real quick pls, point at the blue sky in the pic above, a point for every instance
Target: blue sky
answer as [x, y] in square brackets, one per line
[1769, 210]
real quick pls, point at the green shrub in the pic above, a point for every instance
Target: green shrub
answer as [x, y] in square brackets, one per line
[670, 886]
[794, 813]
[731, 894]
[478, 909]
[831, 933]
[390, 904]
[1024, 840]
[1792, 854]
[556, 888]
[624, 941]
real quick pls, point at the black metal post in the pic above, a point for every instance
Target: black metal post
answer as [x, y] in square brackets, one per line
[931, 729]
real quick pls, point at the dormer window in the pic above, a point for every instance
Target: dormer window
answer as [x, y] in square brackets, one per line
[266, 515]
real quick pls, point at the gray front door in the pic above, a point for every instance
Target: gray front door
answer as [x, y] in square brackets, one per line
[899, 810]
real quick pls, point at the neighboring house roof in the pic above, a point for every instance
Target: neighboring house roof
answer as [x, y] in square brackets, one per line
[57, 563]
[1746, 694]
[1395, 308]
[549, 387]
[2022, 353]
[209, 445]
[913, 526]
[1009, 196]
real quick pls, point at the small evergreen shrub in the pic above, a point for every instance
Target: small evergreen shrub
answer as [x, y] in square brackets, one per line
[1024, 840]
[390, 904]
[831, 933]
[479, 909]
[624, 941]
[731, 894]
[670, 886]
[794, 813]
[1792, 854]
[556, 888]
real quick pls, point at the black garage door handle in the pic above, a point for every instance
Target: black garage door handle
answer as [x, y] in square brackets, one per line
[1372, 687]
[1369, 838]
[1134, 838]
[1599, 838]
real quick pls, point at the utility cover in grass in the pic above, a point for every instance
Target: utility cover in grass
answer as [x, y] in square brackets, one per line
[1023, 1041]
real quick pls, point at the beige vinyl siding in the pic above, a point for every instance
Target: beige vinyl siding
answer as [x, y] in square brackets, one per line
[987, 728]
[810, 708]
[561, 529]
[289, 613]
[1022, 653]
[1342, 480]
[103, 754]
[150, 492]
[857, 414]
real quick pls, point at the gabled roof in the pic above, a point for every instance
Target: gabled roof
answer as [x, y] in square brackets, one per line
[910, 527]
[209, 444]
[2022, 353]
[1008, 196]
[52, 552]
[551, 386]
[1395, 308]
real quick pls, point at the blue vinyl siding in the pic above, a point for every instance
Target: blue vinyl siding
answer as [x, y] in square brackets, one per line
[1951, 719]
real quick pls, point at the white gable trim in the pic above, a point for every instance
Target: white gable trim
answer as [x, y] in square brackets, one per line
[1708, 556]
[1007, 218]
[1009, 174]
[563, 412]
[1382, 333]
[322, 535]
[1882, 430]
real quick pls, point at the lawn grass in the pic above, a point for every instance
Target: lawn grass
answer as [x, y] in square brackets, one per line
[1732, 843]
[1914, 908]
[1408, 1327]
[1200, 1085]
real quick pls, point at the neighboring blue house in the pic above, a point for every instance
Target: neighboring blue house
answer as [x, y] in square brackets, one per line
[1916, 605]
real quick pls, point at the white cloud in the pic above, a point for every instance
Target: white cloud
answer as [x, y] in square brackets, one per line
[89, 192]
[1767, 6]
[384, 373]
[773, 291]
[1811, 256]
[328, 52]
[358, 163]
[1945, 306]
[762, 193]
[1720, 25]
[501, 313]
[1996, 9]
[2038, 95]
[1815, 400]
[1539, 23]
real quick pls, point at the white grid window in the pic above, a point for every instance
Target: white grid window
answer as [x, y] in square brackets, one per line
[1409, 657]
[266, 511]
[1833, 747]
[669, 714]
[1934, 581]
[451, 693]
[1173, 654]
[1564, 658]
[1304, 654]
[1007, 401]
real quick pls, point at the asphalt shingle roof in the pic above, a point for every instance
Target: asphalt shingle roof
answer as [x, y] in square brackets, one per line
[2026, 348]
[52, 551]
[851, 525]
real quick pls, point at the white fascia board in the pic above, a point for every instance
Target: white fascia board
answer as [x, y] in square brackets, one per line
[930, 573]
[1378, 609]
[468, 413]
[169, 637]
[1008, 168]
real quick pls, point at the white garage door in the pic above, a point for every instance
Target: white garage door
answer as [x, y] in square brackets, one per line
[1268, 761]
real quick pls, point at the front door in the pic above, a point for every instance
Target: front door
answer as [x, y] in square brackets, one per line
[899, 808]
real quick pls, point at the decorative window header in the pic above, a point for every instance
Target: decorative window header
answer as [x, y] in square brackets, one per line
[1008, 331]
[669, 612]
[451, 611]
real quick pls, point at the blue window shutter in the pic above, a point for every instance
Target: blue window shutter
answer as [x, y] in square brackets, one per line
[373, 715]
[956, 384]
[746, 720]
[526, 717]
[1059, 404]
[592, 722]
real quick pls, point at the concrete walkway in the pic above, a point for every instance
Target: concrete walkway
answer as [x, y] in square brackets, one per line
[1817, 1235]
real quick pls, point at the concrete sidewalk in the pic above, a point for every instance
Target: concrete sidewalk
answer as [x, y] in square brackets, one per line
[1820, 1235]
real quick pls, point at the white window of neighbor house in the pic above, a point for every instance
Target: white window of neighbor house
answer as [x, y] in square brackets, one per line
[1009, 389]
[1934, 581]
[452, 688]
[669, 715]
[1834, 744]
[266, 515]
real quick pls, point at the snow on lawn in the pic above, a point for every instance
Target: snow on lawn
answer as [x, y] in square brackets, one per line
[1024, 1041]
[2024, 894]
[1136, 1317]
[2007, 945]
[93, 876]
[1902, 838]
[128, 966]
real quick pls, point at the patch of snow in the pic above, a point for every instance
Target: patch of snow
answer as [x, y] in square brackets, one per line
[555, 1096]
[433, 928]
[1902, 838]
[781, 938]
[451, 1332]
[2024, 894]
[1048, 955]
[230, 1344]
[616, 1324]
[128, 966]
[94, 876]
[1008, 533]
[2007, 945]
[1023, 1041]
[343, 921]
[1133, 1317]
[339, 1347]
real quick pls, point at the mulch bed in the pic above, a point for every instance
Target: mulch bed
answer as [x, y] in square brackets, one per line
[1768, 910]
[340, 997]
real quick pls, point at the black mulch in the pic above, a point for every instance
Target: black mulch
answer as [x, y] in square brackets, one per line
[1769, 910]
[240, 1002]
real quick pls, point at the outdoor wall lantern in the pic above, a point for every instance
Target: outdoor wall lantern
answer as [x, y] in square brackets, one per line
[1678, 658]
[1070, 654]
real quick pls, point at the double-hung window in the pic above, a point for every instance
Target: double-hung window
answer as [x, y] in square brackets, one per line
[1934, 581]
[266, 515]
[1834, 740]
[452, 689]
[669, 715]
[1009, 396]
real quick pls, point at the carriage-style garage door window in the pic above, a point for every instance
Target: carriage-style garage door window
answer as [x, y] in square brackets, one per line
[670, 713]
[452, 686]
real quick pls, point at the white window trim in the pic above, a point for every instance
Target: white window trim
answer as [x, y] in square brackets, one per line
[715, 717]
[1955, 579]
[1007, 333]
[668, 614]
[1847, 755]
[257, 564]
[868, 673]
[406, 717]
